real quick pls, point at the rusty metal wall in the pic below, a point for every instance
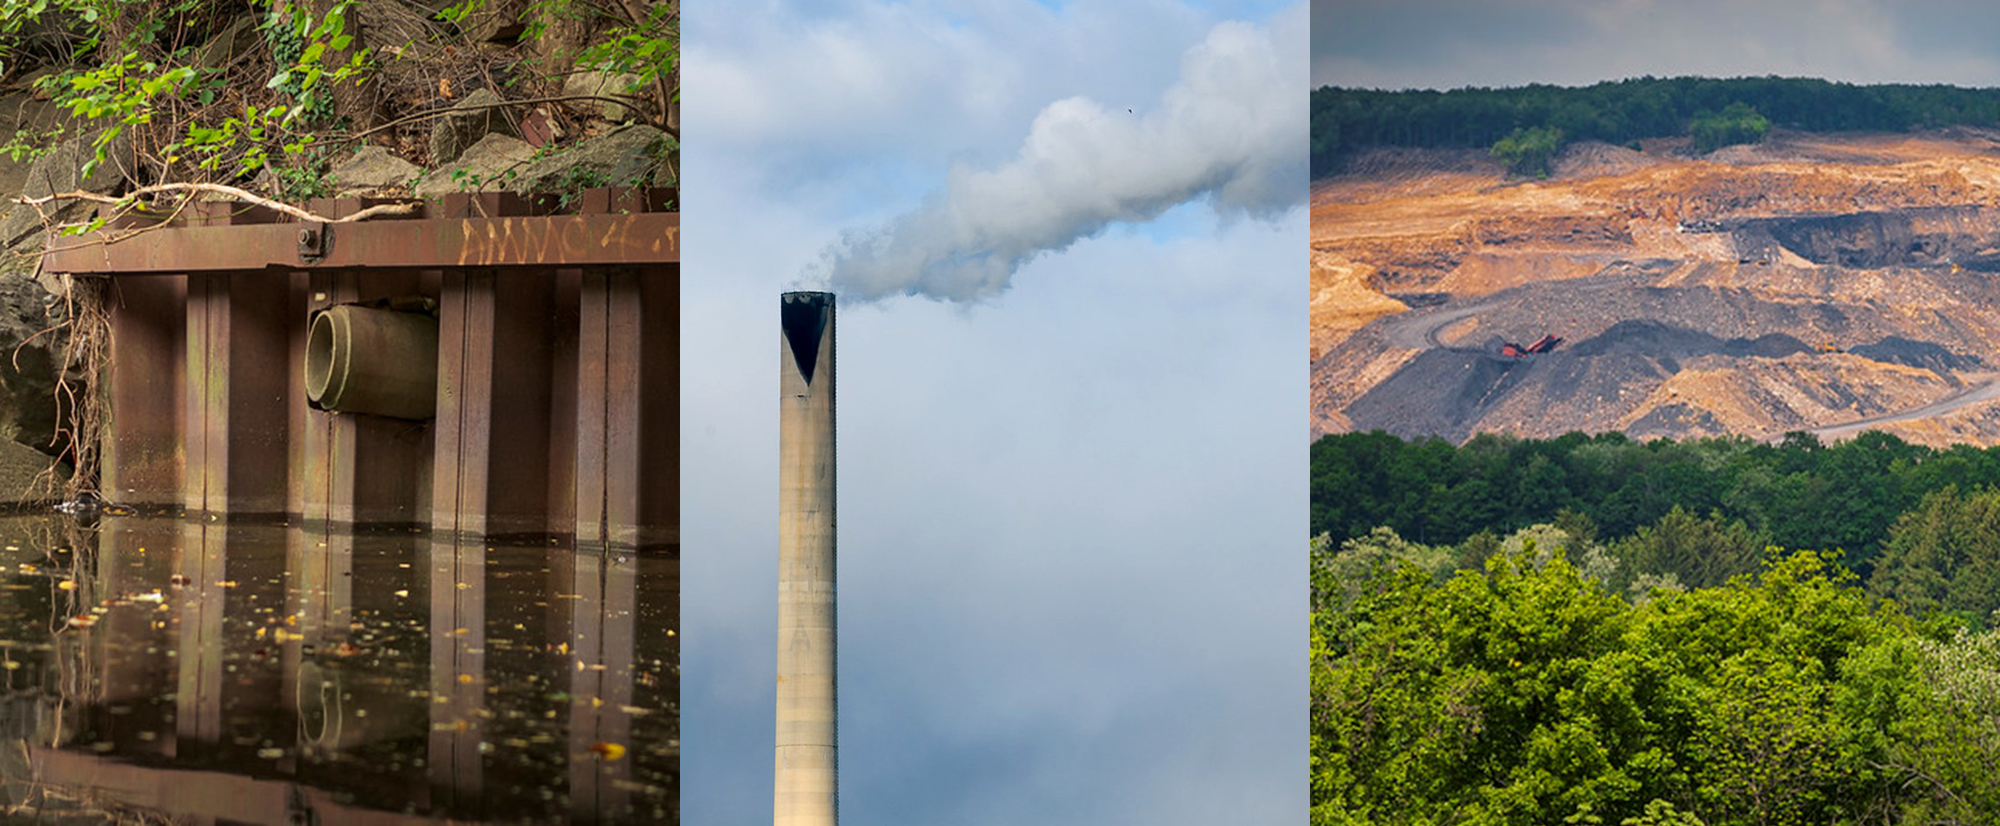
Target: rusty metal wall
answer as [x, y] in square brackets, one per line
[558, 367]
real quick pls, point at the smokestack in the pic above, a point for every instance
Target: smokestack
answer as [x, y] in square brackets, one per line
[807, 773]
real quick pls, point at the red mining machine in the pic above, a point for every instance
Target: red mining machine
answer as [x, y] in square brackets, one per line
[1541, 345]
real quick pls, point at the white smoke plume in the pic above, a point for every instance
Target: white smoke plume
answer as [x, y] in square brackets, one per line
[1232, 128]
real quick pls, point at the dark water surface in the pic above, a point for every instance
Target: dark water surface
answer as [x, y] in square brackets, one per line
[164, 669]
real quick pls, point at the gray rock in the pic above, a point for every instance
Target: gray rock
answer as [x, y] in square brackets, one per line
[26, 476]
[482, 167]
[61, 170]
[28, 377]
[454, 133]
[239, 37]
[663, 175]
[606, 84]
[493, 21]
[625, 156]
[371, 167]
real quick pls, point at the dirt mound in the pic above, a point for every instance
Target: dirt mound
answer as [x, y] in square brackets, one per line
[1669, 342]
[1595, 159]
[1391, 162]
[1924, 354]
[1344, 299]
[1595, 385]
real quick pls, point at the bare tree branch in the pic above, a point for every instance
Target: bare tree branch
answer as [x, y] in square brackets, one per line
[233, 192]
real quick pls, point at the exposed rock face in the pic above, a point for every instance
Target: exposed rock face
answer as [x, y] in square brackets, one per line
[1916, 237]
[481, 169]
[625, 156]
[371, 167]
[472, 119]
[1817, 283]
[28, 374]
[30, 351]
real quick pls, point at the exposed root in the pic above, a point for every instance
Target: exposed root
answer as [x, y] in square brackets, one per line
[81, 406]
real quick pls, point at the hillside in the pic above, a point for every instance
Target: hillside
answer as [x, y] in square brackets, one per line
[1810, 282]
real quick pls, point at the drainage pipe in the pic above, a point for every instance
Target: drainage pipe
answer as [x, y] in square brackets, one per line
[382, 362]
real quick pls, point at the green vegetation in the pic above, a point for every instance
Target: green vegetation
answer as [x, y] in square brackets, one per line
[1528, 151]
[1526, 693]
[1735, 124]
[1345, 121]
[194, 96]
[1594, 630]
[1798, 493]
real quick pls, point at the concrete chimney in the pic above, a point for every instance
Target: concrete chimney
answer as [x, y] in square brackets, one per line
[807, 773]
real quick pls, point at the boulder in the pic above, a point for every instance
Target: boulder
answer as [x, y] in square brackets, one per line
[371, 167]
[472, 119]
[238, 38]
[28, 376]
[479, 169]
[606, 84]
[61, 170]
[625, 156]
[495, 21]
[26, 478]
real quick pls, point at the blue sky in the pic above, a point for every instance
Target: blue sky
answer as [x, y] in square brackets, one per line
[1071, 556]
[1446, 44]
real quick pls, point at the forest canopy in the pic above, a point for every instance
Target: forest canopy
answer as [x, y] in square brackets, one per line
[1591, 629]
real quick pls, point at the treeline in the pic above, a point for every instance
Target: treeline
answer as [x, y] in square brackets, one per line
[1348, 120]
[1916, 524]
[1799, 492]
[1528, 693]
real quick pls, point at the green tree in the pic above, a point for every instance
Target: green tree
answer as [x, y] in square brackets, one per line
[1944, 555]
[1528, 151]
[1698, 551]
[1736, 123]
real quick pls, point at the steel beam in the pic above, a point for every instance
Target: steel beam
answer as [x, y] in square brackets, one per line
[530, 241]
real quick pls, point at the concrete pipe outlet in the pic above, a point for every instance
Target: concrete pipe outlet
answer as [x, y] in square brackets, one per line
[382, 362]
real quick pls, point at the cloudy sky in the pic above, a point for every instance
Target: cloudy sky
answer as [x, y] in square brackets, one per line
[1072, 481]
[1445, 44]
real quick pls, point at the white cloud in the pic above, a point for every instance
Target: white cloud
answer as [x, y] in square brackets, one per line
[930, 81]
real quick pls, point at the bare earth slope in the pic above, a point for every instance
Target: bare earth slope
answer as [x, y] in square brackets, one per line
[1813, 282]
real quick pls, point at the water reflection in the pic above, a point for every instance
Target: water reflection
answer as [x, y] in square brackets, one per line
[271, 674]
